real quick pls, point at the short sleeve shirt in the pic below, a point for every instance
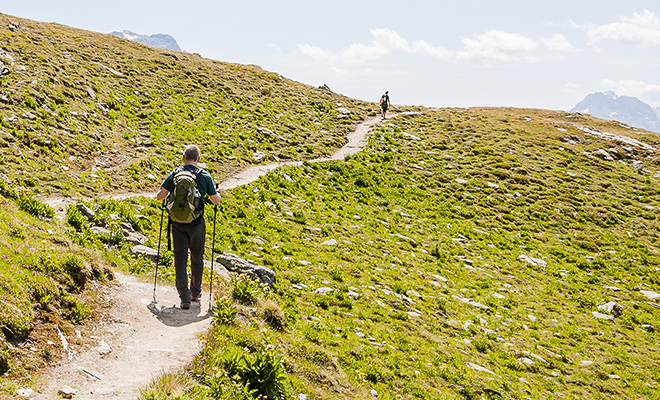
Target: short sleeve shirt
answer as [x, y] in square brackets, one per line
[205, 184]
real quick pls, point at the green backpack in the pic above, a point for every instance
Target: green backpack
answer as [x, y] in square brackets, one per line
[184, 203]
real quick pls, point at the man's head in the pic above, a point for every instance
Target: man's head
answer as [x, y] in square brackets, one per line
[386, 92]
[191, 154]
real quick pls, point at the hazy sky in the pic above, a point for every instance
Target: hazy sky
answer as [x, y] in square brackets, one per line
[459, 53]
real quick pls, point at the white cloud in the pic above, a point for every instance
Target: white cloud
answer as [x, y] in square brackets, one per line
[558, 43]
[384, 41]
[641, 30]
[495, 45]
[570, 87]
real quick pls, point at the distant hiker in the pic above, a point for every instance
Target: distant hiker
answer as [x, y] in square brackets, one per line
[185, 189]
[384, 103]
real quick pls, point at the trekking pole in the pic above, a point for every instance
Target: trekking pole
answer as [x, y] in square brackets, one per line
[215, 213]
[160, 234]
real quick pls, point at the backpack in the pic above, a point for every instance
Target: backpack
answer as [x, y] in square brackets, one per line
[184, 203]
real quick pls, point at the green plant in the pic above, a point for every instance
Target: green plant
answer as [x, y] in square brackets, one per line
[244, 289]
[224, 312]
[35, 207]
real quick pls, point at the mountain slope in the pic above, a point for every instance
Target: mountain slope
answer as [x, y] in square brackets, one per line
[104, 114]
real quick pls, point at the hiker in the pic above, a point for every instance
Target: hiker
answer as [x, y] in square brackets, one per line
[384, 103]
[190, 235]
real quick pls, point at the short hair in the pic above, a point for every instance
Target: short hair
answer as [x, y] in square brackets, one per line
[191, 153]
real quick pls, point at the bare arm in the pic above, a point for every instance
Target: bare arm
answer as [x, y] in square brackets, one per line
[162, 194]
[215, 199]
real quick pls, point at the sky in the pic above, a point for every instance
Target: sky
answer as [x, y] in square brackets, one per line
[459, 53]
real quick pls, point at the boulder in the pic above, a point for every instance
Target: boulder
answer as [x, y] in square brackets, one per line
[86, 211]
[239, 265]
[141, 250]
[135, 237]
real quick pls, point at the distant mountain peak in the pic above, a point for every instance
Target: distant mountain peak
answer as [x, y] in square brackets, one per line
[626, 109]
[160, 40]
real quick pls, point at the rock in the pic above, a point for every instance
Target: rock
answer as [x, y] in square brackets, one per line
[99, 230]
[585, 363]
[26, 393]
[324, 290]
[142, 250]
[498, 296]
[650, 295]
[613, 308]
[91, 374]
[461, 181]
[533, 261]
[478, 368]
[67, 392]
[525, 360]
[29, 115]
[600, 153]
[331, 242]
[104, 348]
[648, 328]
[91, 93]
[257, 272]
[599, 315]
[327, 89]
[471, 302]
[86, 211]
[344, 110]
[3, 70]
[135, 237]
[305, 263]
[258, 156]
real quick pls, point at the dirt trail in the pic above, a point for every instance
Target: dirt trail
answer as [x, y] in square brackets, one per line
[147, 338]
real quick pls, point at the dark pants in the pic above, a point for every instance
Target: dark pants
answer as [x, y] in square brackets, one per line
[189, 236]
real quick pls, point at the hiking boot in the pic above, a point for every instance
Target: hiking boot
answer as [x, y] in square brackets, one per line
[196, 298]
[185, 306]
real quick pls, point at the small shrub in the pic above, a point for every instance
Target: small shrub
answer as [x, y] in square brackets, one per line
[273, 315]
[225, 312]
[244, 289]
[264, 373]
[34, 207]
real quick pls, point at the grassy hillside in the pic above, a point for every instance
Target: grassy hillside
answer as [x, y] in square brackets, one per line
[459, 239]
[463, 254]
[84, 112]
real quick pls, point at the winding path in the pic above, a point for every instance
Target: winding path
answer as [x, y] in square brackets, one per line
[137, 337]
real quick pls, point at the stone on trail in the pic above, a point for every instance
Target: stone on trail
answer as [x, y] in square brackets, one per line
[67, 392]
[26, 393]
[86, 211]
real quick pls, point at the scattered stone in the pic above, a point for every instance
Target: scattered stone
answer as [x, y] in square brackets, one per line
[498, 296]
[648, 328]
[525, 360]
[411, 136]
[3, 70]
[331, 242]
[599, 315]
[344, 110]
[324, 290]
[257, 272]
[411, 240]
[305, 263]
[258, 156]
[91, 93]
[603, 155]
[67, 392]
[461, 181]
[104, 348]
[99, 230]
[411, 113]
[471, 302]
[135, 237]
[585, 363]
[142, 250]
[29, 115]
[304, 396]
[650, 295]
[86, 211]
[614, 376]
[532, 317]
[26, 393]
[478, 368]
[613, 308]
[533, 261]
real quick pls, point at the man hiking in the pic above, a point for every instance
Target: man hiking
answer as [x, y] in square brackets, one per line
[185, 189]
[384, 103]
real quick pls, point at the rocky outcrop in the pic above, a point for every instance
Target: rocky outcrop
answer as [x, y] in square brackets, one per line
[239, 265]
